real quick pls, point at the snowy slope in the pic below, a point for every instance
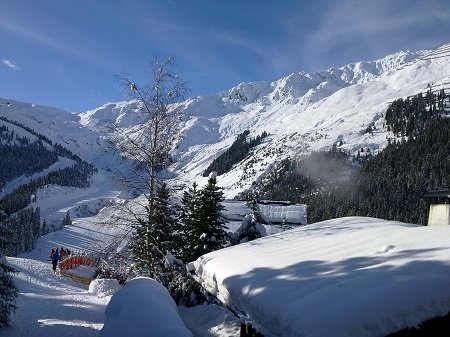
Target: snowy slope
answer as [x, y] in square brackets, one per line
[58, 125]
[352, 276]
[51, 304]
[301, 120]
[66, 129]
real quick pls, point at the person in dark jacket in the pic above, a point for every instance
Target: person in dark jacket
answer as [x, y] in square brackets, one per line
[55, 258]
[62, 254]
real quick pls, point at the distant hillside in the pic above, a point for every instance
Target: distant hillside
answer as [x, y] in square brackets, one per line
[238, 151]
[25, 152]
[21, 156]
[388, 185]
[26, 166]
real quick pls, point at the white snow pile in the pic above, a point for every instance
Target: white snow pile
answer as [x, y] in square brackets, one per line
[353, 276]
[141, 307]
[104, 287]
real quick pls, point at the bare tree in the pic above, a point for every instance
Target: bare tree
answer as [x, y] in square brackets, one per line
[151, 143]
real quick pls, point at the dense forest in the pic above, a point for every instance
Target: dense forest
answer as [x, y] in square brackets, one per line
[408, 117]
[20, 232]
[74, 176]
[389, 185]
[22, 157]
[238, 151]
[58, 149]
[20, 223]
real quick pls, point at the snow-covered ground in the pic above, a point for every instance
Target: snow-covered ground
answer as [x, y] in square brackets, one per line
[143, 305]
[50, 304]
[352, 276]
[344, 277]
[53, 305]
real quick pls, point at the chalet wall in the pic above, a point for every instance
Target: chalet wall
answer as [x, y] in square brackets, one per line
[439, 215]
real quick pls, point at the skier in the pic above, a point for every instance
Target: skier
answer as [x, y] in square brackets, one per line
[55, 258]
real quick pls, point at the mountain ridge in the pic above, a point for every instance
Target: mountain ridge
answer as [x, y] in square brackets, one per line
[301, 112]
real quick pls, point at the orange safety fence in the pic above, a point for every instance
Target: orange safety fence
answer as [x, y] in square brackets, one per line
[76, 261]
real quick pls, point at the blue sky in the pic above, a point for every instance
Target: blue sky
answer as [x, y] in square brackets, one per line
[67, 53]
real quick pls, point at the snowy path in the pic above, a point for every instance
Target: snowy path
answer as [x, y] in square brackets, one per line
[52, 305]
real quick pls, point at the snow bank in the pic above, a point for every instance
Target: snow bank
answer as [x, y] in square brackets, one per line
[351, 276]
[142, 307]
[104, 287]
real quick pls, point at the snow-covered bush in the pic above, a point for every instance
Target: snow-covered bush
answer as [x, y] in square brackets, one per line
[104, 287]
[183, 289]
[142, 307]
[112, 269]
[249, 230]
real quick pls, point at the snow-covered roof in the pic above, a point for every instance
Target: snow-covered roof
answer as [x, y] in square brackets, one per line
[279, 213]
[353, 276]
[270, 211]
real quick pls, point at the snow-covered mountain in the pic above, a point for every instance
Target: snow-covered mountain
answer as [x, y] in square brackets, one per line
[301, 112]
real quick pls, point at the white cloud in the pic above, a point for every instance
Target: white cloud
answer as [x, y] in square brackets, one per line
[11, 64]
[354, 30]
[42, 38]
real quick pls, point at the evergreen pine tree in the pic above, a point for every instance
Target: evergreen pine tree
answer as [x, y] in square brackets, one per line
[37, 229]
[211, 232]
[252, 204]
[158, 257]
[189, 218]
[8, 292]
[165, 221]
[45, 228]
[251, 227]
[67, 221]
[155, 251]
